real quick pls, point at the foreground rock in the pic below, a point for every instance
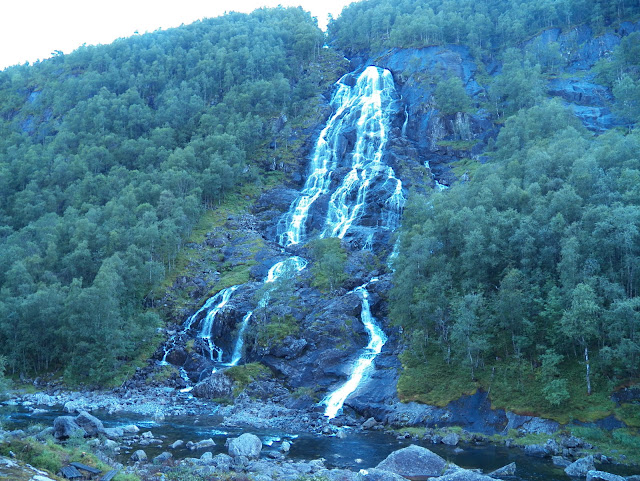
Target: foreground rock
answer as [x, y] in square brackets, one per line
[508, 470]
[65, 427]
[413, 461]
[603, 476]
[581, 467]
[464, 475]
[248, 445]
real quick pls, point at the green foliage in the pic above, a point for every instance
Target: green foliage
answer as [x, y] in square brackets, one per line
[247, 373]
[515, 276]
[484, 26]
[330, 259]
[451, 97]
[276, 330]
[108, 158]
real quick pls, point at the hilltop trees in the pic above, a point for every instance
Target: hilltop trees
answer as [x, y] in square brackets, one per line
[107, 158]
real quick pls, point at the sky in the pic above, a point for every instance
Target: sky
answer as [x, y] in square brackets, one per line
[32, 30]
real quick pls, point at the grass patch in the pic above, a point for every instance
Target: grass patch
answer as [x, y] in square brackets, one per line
[614, 443]
[512, 385]
[629, 414]
[277, 330]
[50, 456]
[457, 144]
[247, 373]
[465, 166]
[432, 382]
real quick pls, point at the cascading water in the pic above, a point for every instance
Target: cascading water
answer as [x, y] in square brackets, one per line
[377, 339]
[364, 108]
[218, 302]
[286, 268]
[368, 106]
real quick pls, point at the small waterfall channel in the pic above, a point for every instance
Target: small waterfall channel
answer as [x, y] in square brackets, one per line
[363, 107]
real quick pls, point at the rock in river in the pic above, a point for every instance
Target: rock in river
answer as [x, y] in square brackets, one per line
[248, 445]
[413, 461]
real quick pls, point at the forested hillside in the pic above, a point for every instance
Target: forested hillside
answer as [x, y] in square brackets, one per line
[108, 157]
[522, 278]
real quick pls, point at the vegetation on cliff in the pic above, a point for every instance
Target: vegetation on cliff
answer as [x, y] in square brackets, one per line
[108, 157]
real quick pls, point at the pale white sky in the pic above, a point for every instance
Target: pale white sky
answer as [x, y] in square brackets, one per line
[33, 29]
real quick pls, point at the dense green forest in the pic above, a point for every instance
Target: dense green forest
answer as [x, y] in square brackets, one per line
[108, 157]
[485, 26]
[524, 279]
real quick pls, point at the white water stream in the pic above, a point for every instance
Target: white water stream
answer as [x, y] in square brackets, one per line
[377, 339]
[362, 117]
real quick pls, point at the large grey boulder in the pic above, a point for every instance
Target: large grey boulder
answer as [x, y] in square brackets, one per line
[603, 476]
[248, 445]
[413, 461]
[65, 426]
[218, 385]
[581, 467]
[139, 456]
[451, 439]
[91, 424]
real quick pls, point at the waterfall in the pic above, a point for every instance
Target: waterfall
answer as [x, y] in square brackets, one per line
[375, 106]
[218, 302]
[377, 339]
[367, 106]
[287, 269]
[354, 140]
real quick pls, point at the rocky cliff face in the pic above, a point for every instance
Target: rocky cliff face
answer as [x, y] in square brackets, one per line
[309, 338]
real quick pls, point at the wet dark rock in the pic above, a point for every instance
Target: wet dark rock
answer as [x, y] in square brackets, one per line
[580, 467]
[413, 461]
[537, 450]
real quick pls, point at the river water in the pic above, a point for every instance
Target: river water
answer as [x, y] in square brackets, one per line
[357, 450]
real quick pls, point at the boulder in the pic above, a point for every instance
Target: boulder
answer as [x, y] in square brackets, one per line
[413, 461]
[369, 423]
[65, 426]
[161, 458]
[176, 444]
[538, 450]
[560, 461]
[285, 447]
[581, 467]
[376, 474]
[508, 470]
[113, 433]
[91, 424]
[205, 443]
[218, 385]
[451, 439]
[464, 475]
[603, 476]
[139, 456]
[248, 445]
[130, 429]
